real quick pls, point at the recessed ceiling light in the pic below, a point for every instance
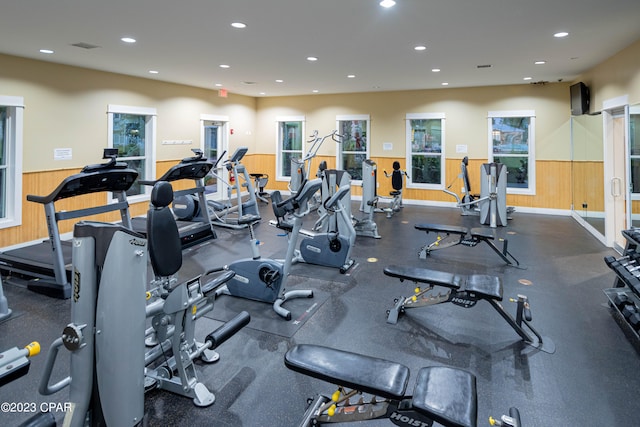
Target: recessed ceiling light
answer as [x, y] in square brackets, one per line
[279, 81]
[238, 25]
[153, 72]
[263, 93]
[218, 85]
[225, 66]
[315, 91]
[387, 3]
[527, 78]
[561, 34]
[540, 62]
[351, 76]
[311, 58]
[48, 51]
[435, 70]
[128, 40]
[420, 48]
[445, 84]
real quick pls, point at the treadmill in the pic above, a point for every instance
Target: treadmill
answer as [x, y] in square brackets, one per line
[48, 263]
[194, 168]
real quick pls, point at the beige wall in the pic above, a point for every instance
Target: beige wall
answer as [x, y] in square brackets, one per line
[65, 107]
[465, 110]
[615, 77]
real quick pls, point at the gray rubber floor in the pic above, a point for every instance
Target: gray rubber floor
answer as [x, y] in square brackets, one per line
[590, 380]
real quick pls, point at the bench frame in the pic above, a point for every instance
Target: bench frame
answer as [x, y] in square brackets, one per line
[451, 235]
[461, 295]
[445, 395]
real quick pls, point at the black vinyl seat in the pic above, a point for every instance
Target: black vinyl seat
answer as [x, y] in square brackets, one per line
[165, 246]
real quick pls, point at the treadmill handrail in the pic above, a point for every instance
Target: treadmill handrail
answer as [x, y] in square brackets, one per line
[184, 170]
[89, 182]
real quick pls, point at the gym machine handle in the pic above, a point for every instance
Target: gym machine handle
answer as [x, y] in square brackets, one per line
[15, 362]
[513, 420]
[226, 331]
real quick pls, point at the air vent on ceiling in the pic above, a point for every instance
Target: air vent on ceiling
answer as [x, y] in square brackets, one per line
[484, 66]
[84, 45]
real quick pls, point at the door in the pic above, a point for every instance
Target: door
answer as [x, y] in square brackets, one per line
[215, 146]
[618, 206]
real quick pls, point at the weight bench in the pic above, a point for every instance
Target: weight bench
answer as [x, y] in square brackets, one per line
[442, 394]
[464, 291]
[454, 235]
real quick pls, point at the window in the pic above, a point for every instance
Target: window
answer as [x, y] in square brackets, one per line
[354, 149]
[425, 149]
[132, 132]
[511, 142]
[11, 120]
[290, 144]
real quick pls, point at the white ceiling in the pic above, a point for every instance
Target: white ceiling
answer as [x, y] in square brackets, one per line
[187, 40]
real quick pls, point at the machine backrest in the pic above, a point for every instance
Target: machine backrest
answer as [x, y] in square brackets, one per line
[165, 247]
[465, 174]
[396, 176]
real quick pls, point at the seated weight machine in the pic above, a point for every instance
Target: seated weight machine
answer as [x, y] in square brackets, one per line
[366, 226]
[264, 279]
[110, 366]
[490, 205]
[464, 291]
[397, 183]
[441, 394]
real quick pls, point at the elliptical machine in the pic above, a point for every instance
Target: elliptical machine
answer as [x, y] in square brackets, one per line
[224, 213]
[264, 279]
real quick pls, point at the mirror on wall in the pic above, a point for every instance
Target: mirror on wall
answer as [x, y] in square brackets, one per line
[588, 170]
[634, 159]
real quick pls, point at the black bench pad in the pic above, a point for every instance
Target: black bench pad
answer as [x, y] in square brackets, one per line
[423, 275]
[447, 395]
[482, 233]
[489, 287]
[364, 373]
[451, 229]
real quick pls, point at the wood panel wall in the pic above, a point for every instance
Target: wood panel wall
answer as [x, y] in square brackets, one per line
[553, 190]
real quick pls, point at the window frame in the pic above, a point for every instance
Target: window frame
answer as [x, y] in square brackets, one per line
[14, 151]
[409, 152]
[339, 151]
[531, 165]
[150, 144]
[280, 176]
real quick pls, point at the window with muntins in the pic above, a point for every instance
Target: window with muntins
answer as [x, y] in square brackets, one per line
[132, 132]
[354, 148]
[11, 123]
[425, 150]
[290, 144]
[511, 142]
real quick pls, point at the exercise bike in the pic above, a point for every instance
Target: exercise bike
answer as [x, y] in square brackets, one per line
[264, 279]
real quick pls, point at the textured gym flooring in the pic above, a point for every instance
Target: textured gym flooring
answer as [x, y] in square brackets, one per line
[591, 379]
